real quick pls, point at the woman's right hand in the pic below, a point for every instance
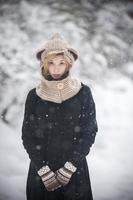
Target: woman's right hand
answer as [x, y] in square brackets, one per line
[50, 182]
[49, 178]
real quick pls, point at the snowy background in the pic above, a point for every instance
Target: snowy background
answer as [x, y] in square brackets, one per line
[102, 33]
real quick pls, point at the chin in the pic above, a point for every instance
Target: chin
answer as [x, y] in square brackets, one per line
[57, 77]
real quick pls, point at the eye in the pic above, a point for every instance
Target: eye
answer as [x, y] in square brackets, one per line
[50, 62]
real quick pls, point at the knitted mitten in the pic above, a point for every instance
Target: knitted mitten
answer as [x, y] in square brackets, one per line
[49, 178]
[64, 174]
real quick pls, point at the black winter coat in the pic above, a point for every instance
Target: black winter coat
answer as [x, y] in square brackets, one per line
[54, 133]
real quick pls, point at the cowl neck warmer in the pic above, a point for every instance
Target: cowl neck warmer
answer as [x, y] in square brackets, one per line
[58, 90]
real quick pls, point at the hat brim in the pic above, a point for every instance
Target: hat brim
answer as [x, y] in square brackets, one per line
[71, 50]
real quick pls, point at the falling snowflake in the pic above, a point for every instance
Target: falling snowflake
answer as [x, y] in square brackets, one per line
[77, 129]
[38, 147]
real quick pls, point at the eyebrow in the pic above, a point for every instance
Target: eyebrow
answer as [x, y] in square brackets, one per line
[60, 60]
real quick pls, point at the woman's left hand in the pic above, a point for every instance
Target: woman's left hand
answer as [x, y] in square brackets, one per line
[63, 175]
[62, 179]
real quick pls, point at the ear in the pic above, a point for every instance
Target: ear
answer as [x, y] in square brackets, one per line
[38, 54]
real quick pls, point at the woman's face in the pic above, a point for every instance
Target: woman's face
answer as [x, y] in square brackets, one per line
[57, 66]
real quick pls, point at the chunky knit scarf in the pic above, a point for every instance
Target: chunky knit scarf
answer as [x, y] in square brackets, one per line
[58, 90]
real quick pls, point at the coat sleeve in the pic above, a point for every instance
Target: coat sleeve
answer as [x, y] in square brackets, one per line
[28, 128]
[88, 128]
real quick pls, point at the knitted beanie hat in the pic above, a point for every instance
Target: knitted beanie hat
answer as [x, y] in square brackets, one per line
[56, 44]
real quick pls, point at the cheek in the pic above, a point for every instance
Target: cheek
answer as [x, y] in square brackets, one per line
[50, 69]
[64, 68]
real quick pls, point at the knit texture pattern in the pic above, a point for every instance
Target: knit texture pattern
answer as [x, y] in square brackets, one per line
[56, 44]
[58, 90]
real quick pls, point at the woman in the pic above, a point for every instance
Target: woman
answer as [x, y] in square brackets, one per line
[59, 127]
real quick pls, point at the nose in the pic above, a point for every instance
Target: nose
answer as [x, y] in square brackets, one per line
[56, 69]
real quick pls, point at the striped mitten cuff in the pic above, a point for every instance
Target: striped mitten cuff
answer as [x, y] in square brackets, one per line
[64, 174]
[49, 178]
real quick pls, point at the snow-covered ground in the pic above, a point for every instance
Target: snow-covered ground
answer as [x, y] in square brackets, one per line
[105, 64]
